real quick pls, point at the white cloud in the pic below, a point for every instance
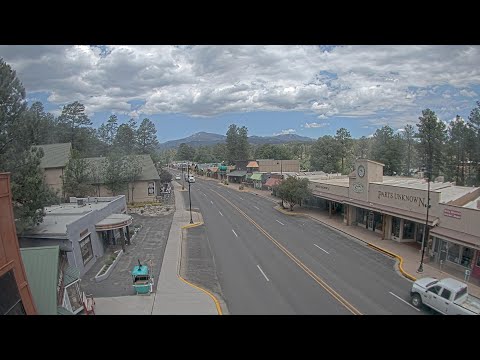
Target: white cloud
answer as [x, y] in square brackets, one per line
[468, 93]
[349, 81]
[315, 125]
[286, 131]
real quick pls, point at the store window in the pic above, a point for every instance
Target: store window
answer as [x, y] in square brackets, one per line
[86, 248]
[408, 229]
[378, 218]
[467, 256]
[453, 254]
[361, 216]
[396, 226]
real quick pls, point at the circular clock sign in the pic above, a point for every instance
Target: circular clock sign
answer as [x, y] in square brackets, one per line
[361, 171]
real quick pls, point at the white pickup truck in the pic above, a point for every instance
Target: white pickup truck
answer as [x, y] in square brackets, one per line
[447, 296]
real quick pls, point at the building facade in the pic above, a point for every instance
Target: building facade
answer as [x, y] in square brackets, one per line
[15, 293]
[82, 229]
[395, 208]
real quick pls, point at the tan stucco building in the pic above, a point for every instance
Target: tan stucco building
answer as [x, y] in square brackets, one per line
[395, 208]
[53, 162]
[144, 189]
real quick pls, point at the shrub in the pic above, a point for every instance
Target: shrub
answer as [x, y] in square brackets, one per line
[241, 187]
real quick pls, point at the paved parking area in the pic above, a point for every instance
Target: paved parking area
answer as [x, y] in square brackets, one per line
[148, 244]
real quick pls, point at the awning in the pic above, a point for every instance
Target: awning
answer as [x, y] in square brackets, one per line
[404, 214]
[273, 182]
[257, 177]
[114, 221]
[252, 164]
[456, 236]
[331, 197]
[237, 173]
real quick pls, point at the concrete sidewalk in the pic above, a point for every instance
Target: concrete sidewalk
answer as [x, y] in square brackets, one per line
[174, 296]
[409, 253]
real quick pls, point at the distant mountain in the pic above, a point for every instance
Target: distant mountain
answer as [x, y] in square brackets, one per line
[278, 139]
[204, 138]
[198, 139]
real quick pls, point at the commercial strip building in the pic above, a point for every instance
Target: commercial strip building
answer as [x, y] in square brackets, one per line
[82, 229]
[395, 209]
[15, 292]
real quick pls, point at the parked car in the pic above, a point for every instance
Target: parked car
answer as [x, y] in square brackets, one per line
[447, 296]
[191, 179]
[178, 177]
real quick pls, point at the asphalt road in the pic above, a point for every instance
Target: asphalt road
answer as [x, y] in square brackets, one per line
[271, 263]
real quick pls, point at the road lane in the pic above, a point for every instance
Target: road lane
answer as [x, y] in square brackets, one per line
[364, 276]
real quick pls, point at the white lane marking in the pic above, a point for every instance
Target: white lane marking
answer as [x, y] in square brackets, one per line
[211, 202]
[279, 222]
[321, 249]
[220, 213]
[204, 195]
[259, 268]
[240, 198]
[256, 207]
[406, 302]
[235, 233]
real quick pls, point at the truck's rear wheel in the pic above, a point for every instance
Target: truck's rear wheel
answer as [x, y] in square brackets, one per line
[416, 300]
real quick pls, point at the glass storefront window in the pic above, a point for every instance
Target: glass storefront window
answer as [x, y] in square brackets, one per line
[408, 229]
[395, 226]
[467, 256]
[378, 218]
[453, 253]
[361, 216]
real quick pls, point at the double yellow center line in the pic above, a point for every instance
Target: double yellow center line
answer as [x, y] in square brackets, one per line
[304, 267]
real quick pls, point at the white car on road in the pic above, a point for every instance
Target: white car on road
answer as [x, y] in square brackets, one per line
[178, 177]
[191, 179]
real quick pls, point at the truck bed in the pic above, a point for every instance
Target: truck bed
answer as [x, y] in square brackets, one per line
[471, 303]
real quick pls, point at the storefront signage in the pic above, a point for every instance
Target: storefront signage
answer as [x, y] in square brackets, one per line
[410, 198]
[322, 187]
[452, 213]
[358, 188]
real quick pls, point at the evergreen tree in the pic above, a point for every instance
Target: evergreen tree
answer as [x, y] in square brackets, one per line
[344, 140]
[71, 122]
[431, 135]
[147, 142]
[325, 155]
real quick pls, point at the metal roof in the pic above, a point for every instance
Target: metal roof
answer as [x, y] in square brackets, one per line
[41, 265]
[252, 164]
[256, 176]
[55, 155]
[62, 311]
[237, 173]
[70, 275]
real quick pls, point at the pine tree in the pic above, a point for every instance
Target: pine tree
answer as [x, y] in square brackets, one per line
[147, 137]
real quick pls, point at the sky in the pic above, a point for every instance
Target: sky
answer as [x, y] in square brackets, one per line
[306, 90]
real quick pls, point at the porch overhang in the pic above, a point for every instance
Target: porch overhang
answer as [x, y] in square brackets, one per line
[114, 221]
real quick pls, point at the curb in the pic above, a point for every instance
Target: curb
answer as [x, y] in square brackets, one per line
[215, 300]
[192, 225]
[389, 253]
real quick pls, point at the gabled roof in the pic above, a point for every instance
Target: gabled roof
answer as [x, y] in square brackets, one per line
[41, 265]
[252, 164]
[55, 155]
[256, 176]
[272, 182]
[149, 171]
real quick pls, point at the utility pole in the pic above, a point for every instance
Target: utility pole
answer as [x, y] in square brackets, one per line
[426, 230]
[189, 195]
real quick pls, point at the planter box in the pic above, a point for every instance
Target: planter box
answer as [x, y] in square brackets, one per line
[105, 275]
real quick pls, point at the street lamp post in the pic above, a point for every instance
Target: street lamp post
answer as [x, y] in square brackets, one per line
[426, 230]
[189, 196]
[183, 180]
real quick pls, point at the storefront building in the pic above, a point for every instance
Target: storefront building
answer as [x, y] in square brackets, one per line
[395, 208]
